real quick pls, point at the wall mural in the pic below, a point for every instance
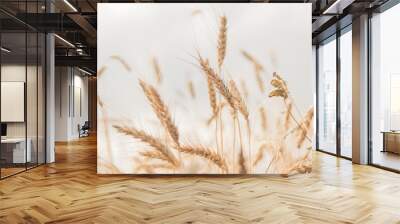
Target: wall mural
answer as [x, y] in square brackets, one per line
[204, 89]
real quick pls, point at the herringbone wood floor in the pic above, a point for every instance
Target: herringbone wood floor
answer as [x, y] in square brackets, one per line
[70, 191]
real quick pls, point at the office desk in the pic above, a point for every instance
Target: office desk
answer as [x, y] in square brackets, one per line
[13, 150]
[391, 141]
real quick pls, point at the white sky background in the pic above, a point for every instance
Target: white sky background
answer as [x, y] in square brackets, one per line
[278, 35]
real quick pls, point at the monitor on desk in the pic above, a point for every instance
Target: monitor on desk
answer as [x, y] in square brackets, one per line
[3, 130]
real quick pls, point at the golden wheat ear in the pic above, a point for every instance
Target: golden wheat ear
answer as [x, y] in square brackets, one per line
[240, 102]
[161, 110]
[222, 37]
[205, 153]
[210, 85]
[191, 89]
[155, 143]
[157, 70]
[122, 62]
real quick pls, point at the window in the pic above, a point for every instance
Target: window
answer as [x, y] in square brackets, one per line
[385, 89]
[346, 93]
[327, 96]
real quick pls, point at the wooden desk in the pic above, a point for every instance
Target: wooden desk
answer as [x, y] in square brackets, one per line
[391, 141]
[13, 150]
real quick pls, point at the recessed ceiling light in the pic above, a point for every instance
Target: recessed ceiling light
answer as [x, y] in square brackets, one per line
[5, 50]
[64, 40]
[70, 5]
[84, 71]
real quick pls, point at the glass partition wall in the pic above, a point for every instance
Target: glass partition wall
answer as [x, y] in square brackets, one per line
[385, 89]
[334, 110]
[22, 98]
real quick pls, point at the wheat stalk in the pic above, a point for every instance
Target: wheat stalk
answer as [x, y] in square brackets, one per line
[214, 115]
[305, 127]
[221, 48]
[161, 111]
[242, 163]
[205, 153]
[263, 117]
[260, 154]
[287, 117]
[239, 101]
[150, 140]
[242, 107]
[157, 70]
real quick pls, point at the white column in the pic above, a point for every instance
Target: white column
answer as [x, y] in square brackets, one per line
[360, 90]
[50, 99]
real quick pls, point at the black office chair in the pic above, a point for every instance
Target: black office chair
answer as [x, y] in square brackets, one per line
[84, 130]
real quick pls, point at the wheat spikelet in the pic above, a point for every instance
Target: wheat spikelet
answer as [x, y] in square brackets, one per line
[242, 163]
[218, 82]
[222, 41]
[191, 90]
[157, 70]
[240, 103]
[161, 111]
[154, 155]
[305, 127]
[263, 117]
[260, 154]
[278, 93]
[122, 61]
[150, 140]
[206, 153]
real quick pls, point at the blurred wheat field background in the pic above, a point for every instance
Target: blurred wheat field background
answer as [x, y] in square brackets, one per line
[214, 108]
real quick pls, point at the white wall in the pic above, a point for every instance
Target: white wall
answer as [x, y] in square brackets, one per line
[70, 83]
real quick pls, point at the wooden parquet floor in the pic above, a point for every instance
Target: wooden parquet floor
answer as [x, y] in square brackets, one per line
[70, 191]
